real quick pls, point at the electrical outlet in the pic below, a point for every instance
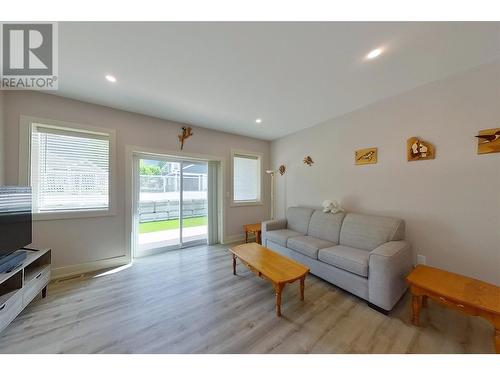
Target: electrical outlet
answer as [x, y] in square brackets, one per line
[421, 259]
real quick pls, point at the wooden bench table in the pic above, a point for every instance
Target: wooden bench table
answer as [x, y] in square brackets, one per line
[467, 295]
[276, 268]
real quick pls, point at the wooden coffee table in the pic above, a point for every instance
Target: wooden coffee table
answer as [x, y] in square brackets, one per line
[272, 266]
[469, 296]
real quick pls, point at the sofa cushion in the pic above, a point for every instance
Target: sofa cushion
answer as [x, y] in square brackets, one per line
[308, 245]
[326, 225]
[298, 218]
[368, 232]
[345, 257]
[281, 236]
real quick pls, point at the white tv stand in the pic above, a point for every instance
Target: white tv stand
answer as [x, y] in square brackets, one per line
[20, 286]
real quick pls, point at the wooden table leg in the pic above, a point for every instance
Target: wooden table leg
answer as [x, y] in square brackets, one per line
[497, 339]
[416, 304]
[258, 236]
[302, 286]
[278, 288]
[234, 264]
[246, 236]
[424, 301]
[495, 320]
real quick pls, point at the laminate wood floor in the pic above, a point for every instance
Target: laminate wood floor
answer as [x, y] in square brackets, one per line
[188, 301]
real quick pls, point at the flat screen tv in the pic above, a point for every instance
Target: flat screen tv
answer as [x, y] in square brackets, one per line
[15, 218]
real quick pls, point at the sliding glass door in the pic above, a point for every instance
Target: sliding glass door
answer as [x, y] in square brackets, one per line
[171, 204]
[194, 223]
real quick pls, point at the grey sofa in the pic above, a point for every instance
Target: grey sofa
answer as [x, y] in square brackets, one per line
[363, 254]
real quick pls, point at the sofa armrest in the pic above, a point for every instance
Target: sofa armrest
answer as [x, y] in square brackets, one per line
[270, 225]
[388, 266]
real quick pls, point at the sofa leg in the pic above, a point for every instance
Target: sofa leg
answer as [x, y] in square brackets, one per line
[377, 308]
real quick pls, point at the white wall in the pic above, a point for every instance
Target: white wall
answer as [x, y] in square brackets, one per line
[2, 149]
[451, 204]
[79, 241]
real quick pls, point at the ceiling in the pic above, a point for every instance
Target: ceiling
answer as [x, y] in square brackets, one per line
[291, 75]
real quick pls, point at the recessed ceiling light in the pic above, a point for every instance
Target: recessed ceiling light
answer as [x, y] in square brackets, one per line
[373, 54]
[110, 78]
[258, 121]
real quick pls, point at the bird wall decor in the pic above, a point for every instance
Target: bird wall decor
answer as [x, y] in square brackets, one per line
[365, 156]
[282, 169]
[488, 141]
[186, 133]
[416, 149]
[308, 161]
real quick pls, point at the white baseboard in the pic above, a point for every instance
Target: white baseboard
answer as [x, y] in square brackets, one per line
[233, 238]
[77, 269]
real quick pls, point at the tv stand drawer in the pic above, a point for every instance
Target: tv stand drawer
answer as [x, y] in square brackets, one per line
[35, 285]
[19, 288]
[10, 308]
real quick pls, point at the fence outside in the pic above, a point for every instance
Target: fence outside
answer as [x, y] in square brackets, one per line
[158, 208]
[169, 209]
[157, 184]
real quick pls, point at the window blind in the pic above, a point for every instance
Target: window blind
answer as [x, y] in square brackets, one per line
[69, 169]
[246, 178]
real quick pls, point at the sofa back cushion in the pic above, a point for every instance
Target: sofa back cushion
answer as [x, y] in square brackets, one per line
[367, 231]
[325, 226]
[298, 218]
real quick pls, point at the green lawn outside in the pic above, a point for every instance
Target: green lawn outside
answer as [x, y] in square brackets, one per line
[156, 226]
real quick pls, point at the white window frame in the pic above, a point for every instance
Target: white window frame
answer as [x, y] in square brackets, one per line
[25, 132]
[259, 156]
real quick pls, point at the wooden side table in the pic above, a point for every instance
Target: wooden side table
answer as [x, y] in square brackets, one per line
[255, 229]
[467, 295]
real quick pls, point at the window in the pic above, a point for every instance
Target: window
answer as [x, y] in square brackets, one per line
[70, 169]
[246, 178]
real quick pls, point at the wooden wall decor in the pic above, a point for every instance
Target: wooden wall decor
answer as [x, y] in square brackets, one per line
[282, 169]
[186, 133]
[416, 149]
[488, 141]
[365, 156]
[308, 161]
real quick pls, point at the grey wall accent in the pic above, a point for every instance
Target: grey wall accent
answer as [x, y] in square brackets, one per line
[77, 241]
[451, 205]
